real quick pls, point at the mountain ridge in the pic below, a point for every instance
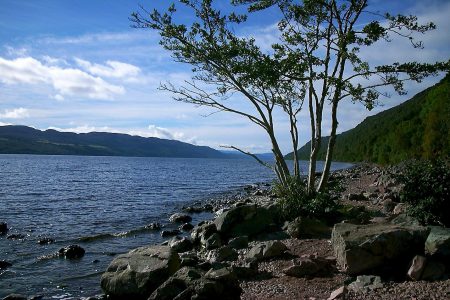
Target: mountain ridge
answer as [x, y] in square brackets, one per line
[19, 139]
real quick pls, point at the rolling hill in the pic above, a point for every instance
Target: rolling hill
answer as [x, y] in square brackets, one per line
[27, 140]
[417, 128]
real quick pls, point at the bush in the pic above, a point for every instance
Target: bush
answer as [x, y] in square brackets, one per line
[295, 201]
[426, 189]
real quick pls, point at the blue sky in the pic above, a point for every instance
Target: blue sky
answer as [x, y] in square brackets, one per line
[77, 65]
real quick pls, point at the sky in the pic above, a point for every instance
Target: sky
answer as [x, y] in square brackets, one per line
[78, 65]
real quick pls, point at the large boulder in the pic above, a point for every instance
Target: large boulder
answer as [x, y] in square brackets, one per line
[246, 220]
[136, 274]
[438, 243]
[359, 248]
[266, 250]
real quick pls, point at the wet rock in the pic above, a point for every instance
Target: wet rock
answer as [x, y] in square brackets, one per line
[222, 254]
[266, 250]
[15, 297]
[180, 244]
[71, 252]
[45, 241]
[15, 236]
[136, 274]
[360, 248]
[4, 264]
[303, 227]
[180, 218]
[239, 242]
[365, 283]
[154, 226]
[167, 233]
[417, 266]
[3, 228]
[186, 227]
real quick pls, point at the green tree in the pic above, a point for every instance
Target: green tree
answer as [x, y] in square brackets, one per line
[316, 61]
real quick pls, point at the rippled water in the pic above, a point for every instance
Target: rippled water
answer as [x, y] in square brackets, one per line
[70, 198]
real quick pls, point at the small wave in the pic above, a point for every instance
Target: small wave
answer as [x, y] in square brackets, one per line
[104, 236]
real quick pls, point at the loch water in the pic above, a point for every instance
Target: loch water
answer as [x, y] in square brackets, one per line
[102, 204]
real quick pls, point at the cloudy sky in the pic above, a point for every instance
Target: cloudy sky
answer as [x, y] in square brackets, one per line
[77, 65]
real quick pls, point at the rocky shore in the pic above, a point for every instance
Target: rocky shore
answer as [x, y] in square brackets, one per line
[371, 251]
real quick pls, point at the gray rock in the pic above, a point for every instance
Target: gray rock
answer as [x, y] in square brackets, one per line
[438, 243]
[245, 220]
[266, 250]
[153, 226]
[167, 233]
[71, 252]
[400, 208]
[224, 253]
[434, 270]
[3, 228]
[388, 205]
[364, 284]
[15, 297]
[212, 242]
[4, 264]
[239, 242]
[417, 267]
[338, 293]
[203, 232]
[309, 266]
[186, 227]
[360, 248]
[303, 227]
[180, 218]
[180, 244]
[136, 274]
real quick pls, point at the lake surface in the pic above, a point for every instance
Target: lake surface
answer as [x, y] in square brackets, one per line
[71, 198]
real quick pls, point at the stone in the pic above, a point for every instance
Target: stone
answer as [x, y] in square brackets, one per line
[186, 227]
[167, 233]
[304, 227]
[180, 218]
[153, 226]
[239, 242]
[45, 241]
[181, 244]
[433, 270]
[249, 219]
[388, 205]
[309, 266]
[438, 243]
[356, 197]
[170, 289]
[212, 242]
[15, 236]
[266, 250]
[3, 228]
[360, 248]
[365, 283]
[221, 254]
[201, 233]
[338, 293]
[4, 264]
[417, 266]
[136, 274]
[71, 252]
[15, 297]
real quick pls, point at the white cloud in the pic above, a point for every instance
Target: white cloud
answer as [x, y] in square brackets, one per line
[66, 81]
[164, 133]
[17, 113]
[114, 69]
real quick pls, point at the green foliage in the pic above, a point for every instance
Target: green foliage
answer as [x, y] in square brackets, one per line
[418, 128]
[427, 190]
[295, 201]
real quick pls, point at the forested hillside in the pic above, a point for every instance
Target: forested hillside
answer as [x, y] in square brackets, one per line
[417, 128]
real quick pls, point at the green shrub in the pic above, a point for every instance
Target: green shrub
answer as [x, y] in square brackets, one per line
[295, 201]
[426, 187]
